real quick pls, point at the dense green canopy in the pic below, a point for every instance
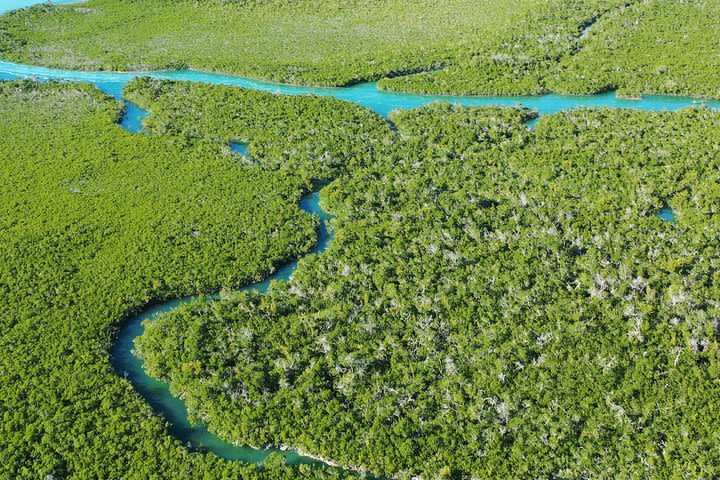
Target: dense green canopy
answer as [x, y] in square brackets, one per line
[496, 303]
[317, 138]
[487, 47]
[332, 42]
[95, 223]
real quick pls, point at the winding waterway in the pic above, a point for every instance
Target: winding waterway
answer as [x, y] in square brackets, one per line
[368, 95]
[365, 94]
[157, 393]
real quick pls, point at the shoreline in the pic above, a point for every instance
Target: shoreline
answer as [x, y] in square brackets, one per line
[267, 82]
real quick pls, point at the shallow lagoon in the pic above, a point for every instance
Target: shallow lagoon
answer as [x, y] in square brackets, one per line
[241, 148]
[132, 121]
[8, 5]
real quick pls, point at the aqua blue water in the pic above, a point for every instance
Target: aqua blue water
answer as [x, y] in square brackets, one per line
[133, 118]
[365, 94]
[239, 148]
[667, 215]
[157, 393]
[6, 5]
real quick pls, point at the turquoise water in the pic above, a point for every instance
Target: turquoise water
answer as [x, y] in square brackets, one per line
[239, 148]
[133, 118]
[157, 394]
[667, 215]
[365, 94]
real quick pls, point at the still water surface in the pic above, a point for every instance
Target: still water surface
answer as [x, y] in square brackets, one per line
[368, 95]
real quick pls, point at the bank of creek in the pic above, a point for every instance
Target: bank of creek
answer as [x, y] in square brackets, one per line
[156, 393]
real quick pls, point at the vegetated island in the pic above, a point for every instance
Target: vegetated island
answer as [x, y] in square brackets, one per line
[496, 302]
[459, 47]
[97, 223]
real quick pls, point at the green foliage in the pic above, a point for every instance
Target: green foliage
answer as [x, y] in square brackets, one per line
[318, 138]
[518, 61]
[332, 42]
[95, 223]
[585, 47]
[457, 47]
[496, 303]
[654, 46]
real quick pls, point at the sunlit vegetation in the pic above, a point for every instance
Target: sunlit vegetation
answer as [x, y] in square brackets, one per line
[331, 42]
[518, 61]
[317, 138]
[496, 303]
[654, 46]
[457, 47]
[585, 47]
[96, 223]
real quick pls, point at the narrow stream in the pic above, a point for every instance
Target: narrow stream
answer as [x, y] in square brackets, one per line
[157, 393]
